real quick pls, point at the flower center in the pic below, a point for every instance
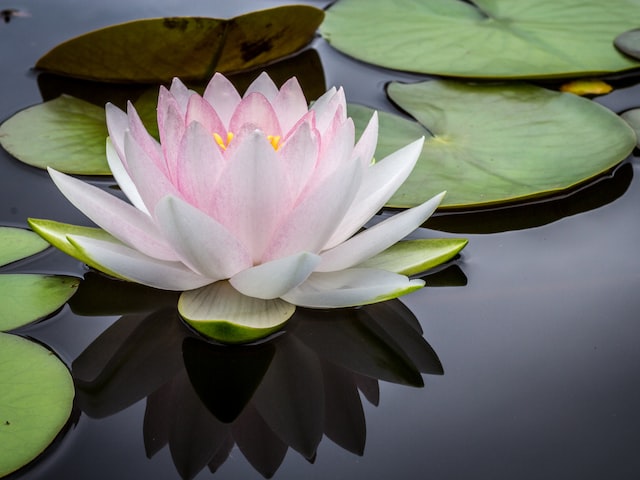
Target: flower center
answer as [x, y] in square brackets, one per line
[274, 140]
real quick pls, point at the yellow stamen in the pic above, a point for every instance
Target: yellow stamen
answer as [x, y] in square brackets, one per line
[274, 140]
[221, 142]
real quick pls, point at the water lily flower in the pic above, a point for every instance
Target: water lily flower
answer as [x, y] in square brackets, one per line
[247, 204]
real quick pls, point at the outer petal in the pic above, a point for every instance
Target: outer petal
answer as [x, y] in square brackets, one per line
[120, 219]
[327, 106]
[202, 243]
[223, 97]
[171, 133]
[299, 154]
[121, 176]
[377, 238]
[379, 183]
[335, 150]
[135, 266]
[181, 93]
[117, 124]
[274, 279]
[347, 288]
[366, 146]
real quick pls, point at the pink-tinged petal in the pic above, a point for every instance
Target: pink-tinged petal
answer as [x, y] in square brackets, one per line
[123, 221]
[223, 97]
[321, 103]
[121, 176]
[170, 137]
[151, 182]
[327, 109]
[314, 219]
[299, 154]
[254, 109]
[137, 267]
[366, 146]
[290, 104]
[202, 243]
[181, 93]
[264, 85]
[201, 163]
[379, 183]
[252, 193]
[274, 279]
[374, 240]
[142, 137]
[201, 111]
[335, 149]
[349, 288]
[117, 124]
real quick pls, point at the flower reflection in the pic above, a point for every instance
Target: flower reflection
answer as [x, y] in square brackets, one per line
[204, 398]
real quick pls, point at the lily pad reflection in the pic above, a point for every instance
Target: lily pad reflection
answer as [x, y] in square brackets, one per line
[289, 392]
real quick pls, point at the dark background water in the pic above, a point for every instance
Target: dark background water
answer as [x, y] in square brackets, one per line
[539, 346]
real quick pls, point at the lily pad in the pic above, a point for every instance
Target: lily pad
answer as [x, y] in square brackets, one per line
[632, 117]
[66, 133]
[36, 398]
[18, 243]
[484, 38]
[158, 49]
[25, 298]
[629, 43]
[491, 144]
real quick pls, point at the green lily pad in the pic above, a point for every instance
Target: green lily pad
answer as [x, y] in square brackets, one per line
[18, 243]
[484, 38]
[25, 298]
[66, 133]
[220, 312]
[629, 43]
[36, 397]
[492, 144]
[158, 49]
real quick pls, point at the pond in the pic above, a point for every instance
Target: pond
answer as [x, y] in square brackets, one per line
[534, 329]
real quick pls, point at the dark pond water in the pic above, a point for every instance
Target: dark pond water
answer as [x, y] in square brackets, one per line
[536, 326]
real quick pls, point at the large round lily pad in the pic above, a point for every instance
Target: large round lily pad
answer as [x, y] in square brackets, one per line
[66, 133]
[498, 143]
[158, 49]
[485, 38]
[25, 298]
[18, 243]
[36, 397]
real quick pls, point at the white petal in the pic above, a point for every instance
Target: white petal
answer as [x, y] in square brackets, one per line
[377, 238]
[117, 124]
[366, 146]
[202, 243]
[380, 182]
[117, 217]
[264, 85]
[121, 176]
[273, 279]
[135, 266]
[222, 96]
[348, 288]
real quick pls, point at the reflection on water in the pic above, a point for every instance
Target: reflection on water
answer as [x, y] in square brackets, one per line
[288, 392]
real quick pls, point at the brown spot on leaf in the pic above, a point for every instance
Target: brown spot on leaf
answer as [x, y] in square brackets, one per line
[176, 22]
[251, 50]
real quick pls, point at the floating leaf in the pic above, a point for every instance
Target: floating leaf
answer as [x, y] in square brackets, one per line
[25, 298]
[586, 87]
[498, 143]
[18, 243]
[66, 133]
[36, 397]
[629, 43]
[484, 38]
[158, 49]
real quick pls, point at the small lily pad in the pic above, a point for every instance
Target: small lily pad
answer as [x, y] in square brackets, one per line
[25, 298]
[158, 49]
[629, 43]
[632, 117]
[220, 312]
[492, 144]
[18, 243]
[65, 133]
[36, 398]
[484, 38]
